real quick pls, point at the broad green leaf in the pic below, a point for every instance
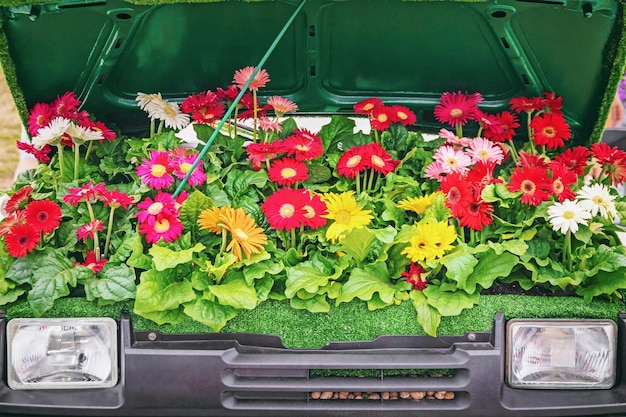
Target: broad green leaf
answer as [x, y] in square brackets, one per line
[165, 258]
[316, 304]
[11, 296]
[52, 277]
[333, 133]
[427, 316]
[358, 243]
[604, 283]
[459, 264]
[22, 269]
[160, 291]
[376, 303]
[210, 313]
[261, 269]
[115, 283]
[490, 267]
[162, 317]
[449, 303]
[193, 205]
[364, 282]
[222, 263]
[138, 259]
[308, 276]
[235, 293]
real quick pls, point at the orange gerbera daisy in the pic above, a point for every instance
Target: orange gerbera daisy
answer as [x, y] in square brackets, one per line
[246, 235]
[211, 218]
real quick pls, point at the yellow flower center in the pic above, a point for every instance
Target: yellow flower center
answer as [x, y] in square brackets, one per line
[158, 170]
[162, 226]
[184, 167]
[288, 172]
[452, 162]
[558, 186]
[240, 234]
[378, 161]
[342, 216]
[382, 118]
[170, 111]
[568, 214]
[598, 200]
[402, 115]
[301, 147]
[155, 208]
[354, 161]
[456, 112]
[287, 210]
[309, 213]
[368, 107]
[483, 154]
[549, 131]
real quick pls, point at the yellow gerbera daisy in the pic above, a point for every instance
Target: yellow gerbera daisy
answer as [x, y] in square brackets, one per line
[246, 235]
[431, 241]
[417, 204]
[210, 218]
[346, 213]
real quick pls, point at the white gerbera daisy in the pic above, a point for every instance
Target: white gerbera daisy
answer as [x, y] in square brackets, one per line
[158, 108]
[51, 134]
[597, 198]
[566, 216]
[452, 160]
[146, 101]
[481, 149]
[81, 135]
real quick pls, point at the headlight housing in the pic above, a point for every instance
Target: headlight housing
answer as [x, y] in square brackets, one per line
[563, 354]
[62, 353]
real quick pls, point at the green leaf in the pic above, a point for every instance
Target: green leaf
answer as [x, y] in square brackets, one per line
[427, 316]
[333, 133]
[116, 283]
[11, 296]
[193, 205]
[449, 303]
[210, 313]
[165, 258]
[358, 243]
[364, 282]
[236, 293]
[162, 317]
[22, 269]
[308, 276]
[316, 304]
[490, 267]
[261, 269]
[459, 264]
[160, 291]
[603, 283]
[222, 263]
[52, 278]
[138, 259]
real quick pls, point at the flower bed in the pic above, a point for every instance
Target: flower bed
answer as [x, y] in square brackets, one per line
[211, 218]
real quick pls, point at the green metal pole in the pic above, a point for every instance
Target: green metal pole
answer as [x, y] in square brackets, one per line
[236, 101]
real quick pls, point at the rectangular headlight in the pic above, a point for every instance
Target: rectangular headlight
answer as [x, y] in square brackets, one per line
[562, 354]
[62, 353]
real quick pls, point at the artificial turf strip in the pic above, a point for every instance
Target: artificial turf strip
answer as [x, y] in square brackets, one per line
[348, 321]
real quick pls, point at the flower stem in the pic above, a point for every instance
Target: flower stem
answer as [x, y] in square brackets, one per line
[152, 126]
[364, 188]
[224, 240]
[293, 238]
[76, 160]
[254, 116]
[358, 184]
[109, 229]
[370, 183]
[60, 148]
[567, 250]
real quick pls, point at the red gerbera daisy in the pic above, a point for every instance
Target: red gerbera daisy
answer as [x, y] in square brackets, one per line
[506, 122]
[367, 106]
[88, 230]
[402, 114]
[575, 159]
[285, 209]
[303, 145]
[528, 160]
[243, 75]
[247, 108]
[42, 155]
[107, 133]
[380, 160]
[314, 209]
[481, 174]
[92, 263]
[457, 108]
[552, 103]
[526, 104]
[381, 118]
[353, 161]
[612, 160]
[550, 130]
[11, 220]
[19, 200]
[230, 94]
[39, 116]
[116, 198]
[288, 171]
[21, 240]
[204, 107]
[414, 276]
[260, 152]
[533, 183]
[458, 193]
[156, 172]
[605, 154]
[477, 214]
[562, 179]
[43, 215]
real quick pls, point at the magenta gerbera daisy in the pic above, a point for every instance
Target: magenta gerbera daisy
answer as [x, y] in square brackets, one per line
[66, 105]
[40, 116]
[156, 172]
[163, 204]
[457, 108]
[181, 164]
[87, 192]
[88, 230]
[381, 118]
[288, 171]
[168, 228]
[116, 198]
[91, 262]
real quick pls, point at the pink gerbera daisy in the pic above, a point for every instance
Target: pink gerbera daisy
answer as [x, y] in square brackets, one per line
[163, 204]
[181, 164]
[66, 105]
[452, 160]
[88, 230]
[481, 149]
[243, 75]
[435, 171]
[116, 198]
[156, 171]
[288, 171]
[282, 105]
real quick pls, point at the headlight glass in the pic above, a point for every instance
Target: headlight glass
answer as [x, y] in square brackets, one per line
[563, 354]
[62, 353]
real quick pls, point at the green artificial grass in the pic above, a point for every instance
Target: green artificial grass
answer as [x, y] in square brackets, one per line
[348, 321]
